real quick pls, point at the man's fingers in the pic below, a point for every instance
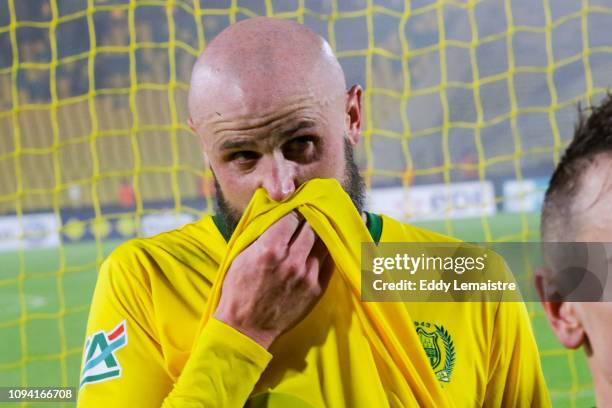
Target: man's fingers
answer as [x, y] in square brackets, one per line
[279, 234]
[319, 265]
[301, 246]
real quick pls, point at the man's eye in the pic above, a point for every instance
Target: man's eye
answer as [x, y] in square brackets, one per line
[243, 156]
[298, 145]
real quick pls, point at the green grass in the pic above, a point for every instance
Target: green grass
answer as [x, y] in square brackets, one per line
[45, 294]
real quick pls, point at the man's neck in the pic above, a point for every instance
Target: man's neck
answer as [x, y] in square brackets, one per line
[603, 385]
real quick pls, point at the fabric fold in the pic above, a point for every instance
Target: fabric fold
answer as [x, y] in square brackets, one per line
[345, 352]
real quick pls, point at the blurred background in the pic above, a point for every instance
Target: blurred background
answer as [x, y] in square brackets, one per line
[468, 106]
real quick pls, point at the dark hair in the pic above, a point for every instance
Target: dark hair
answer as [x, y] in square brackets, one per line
[592, 136]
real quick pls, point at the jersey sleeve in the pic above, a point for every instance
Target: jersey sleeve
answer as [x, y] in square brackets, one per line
[124, 363]
[127, 368]
[515, 372]
[223, 369]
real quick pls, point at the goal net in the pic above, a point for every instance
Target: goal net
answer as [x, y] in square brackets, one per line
[467, 108]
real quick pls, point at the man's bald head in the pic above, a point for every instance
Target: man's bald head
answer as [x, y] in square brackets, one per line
[268, 99]
[259, 62]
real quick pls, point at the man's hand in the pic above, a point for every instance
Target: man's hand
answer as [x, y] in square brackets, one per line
[274, 282]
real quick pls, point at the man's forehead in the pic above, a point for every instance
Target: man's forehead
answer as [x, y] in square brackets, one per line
[260, 64]
[226, 106]
[233, 120]
[248, 103]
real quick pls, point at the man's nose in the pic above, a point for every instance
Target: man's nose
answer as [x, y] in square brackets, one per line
[279, 177]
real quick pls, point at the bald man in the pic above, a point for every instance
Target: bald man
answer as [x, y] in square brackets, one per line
[578, 208]
[268, 99]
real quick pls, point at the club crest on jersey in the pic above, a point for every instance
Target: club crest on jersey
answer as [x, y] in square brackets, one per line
[99, 360]
[439, 348]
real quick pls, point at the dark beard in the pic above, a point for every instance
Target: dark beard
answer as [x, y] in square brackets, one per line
[353, 184]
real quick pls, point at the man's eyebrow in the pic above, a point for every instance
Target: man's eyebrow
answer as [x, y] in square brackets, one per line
[237, 144]
[303, 124]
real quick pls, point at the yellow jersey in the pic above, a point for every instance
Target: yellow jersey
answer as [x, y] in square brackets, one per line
[147, 344]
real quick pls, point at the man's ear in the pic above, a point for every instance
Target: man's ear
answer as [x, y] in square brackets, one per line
[353, 114]
[563, 317]
[191, 124]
